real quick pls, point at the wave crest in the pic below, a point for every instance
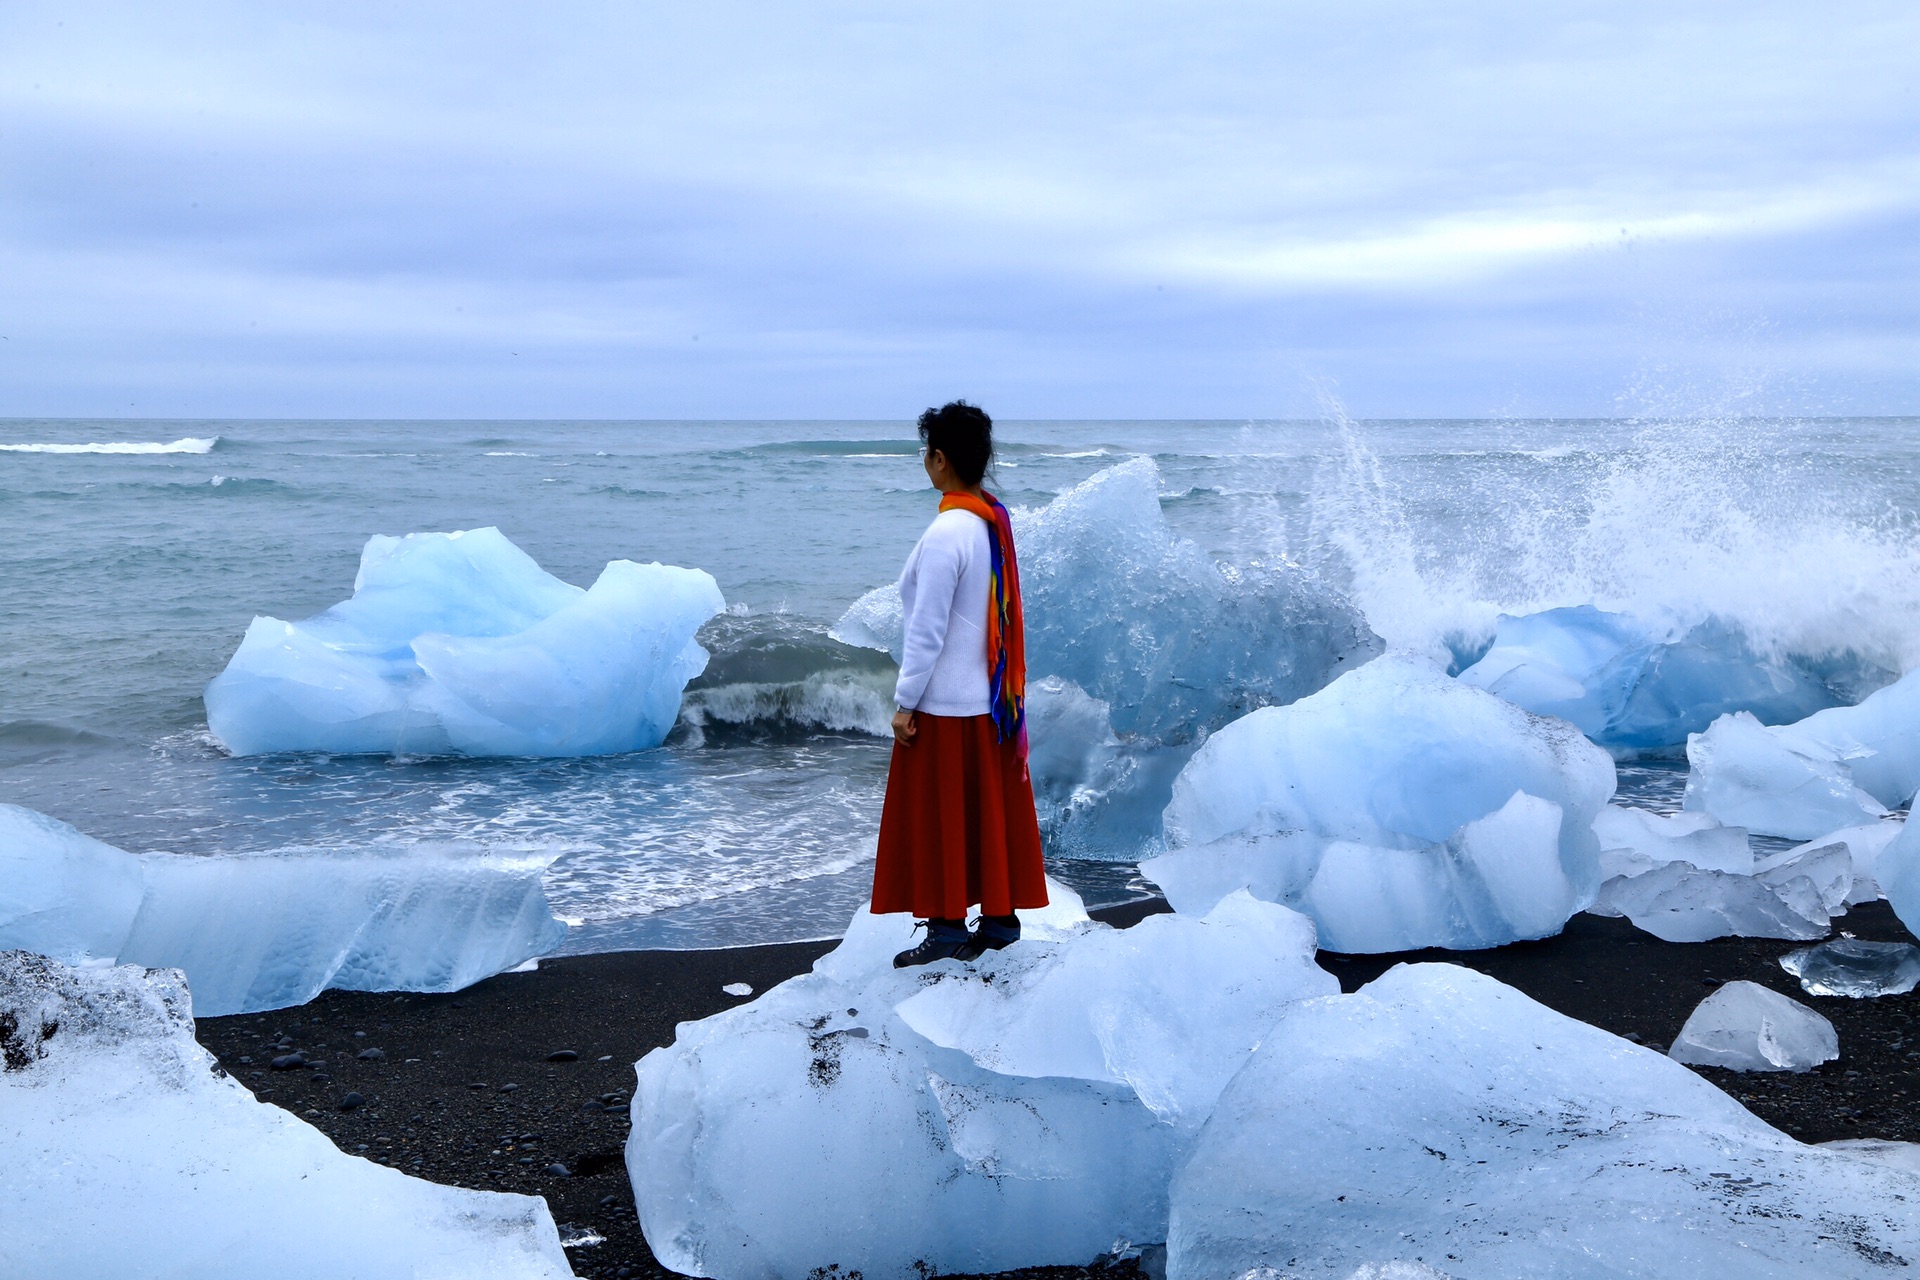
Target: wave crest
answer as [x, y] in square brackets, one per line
[187, 444]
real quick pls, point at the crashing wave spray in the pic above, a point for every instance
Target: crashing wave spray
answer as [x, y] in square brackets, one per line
[1763, 527]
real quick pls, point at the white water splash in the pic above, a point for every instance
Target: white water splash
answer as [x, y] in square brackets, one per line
[187, 444]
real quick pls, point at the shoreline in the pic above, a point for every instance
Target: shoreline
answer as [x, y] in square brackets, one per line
[463, 1090]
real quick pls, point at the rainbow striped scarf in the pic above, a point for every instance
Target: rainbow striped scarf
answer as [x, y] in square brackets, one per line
[1006, 627]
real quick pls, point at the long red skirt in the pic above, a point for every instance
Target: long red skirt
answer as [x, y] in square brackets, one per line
[958, 826]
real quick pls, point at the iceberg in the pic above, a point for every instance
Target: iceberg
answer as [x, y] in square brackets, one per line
[1438, 1118]
[131, 1153]
[1031, 1110]
[460, 643]
[1680, 903]
[1856, 968]
[1745, 1027]
[1836, 768]
[1397, 807]
[1170, 643]
[269, 930]
[1633, 841]
[1632, 685]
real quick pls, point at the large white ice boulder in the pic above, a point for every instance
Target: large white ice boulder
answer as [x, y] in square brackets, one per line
[1029, 1110]
[1836, 768]
[1631, 683]
[1442, 1119]
[268, 930]
[460, 643]
[1172, 643]
[1743, 1026]
[128, 1152]
[1398, 808]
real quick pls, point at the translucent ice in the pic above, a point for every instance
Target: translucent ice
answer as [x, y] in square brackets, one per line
[1028, 1111]
[1630, 684]
[1864, 845]
[1173, 644]
[1898, 869]
[459, 642]
[268, 930]
[1397, 807]
[1828, 867]
[1634, 840]
[130, 1153]
[1439, 1117]
[1680, 903]
[1745, 1027]
[1836, 768]
[1854, 967]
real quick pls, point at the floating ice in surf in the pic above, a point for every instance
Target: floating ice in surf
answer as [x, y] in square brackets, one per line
[1836, 768]
[1681, 903]
[1855, 967]
[459, 642]
[1633, 841]
[1397, 807]
[1437, 1114]
[1031, 1110]
[1743, 1026]
[268, 930]
[132, 1154]
[1633, 685]
[1173, 643]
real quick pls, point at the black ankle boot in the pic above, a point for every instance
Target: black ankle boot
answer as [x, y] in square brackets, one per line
[990, 933]
[944, 941]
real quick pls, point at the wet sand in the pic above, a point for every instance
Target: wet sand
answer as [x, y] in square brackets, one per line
[465, 1089]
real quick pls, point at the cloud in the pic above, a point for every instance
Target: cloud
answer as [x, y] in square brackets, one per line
[836, 209]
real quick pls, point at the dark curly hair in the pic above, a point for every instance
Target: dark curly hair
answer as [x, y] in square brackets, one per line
[964, 434]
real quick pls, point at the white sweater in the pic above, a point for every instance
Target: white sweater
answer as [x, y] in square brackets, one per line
[943, 590]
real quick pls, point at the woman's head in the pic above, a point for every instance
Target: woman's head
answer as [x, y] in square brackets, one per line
[963, 435]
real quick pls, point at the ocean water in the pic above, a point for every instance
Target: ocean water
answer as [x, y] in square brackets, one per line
[133, 555]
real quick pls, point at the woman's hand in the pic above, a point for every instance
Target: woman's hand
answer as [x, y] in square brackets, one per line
[903, 727]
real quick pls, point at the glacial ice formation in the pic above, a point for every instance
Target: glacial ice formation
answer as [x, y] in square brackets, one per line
[1397, 807]
[1680, 903]
[1855, 967]
[1125, 614]
[1631, 684]
[1836, 768]
[460, 643]
[130, 1153]
[1441, 1119]
[1743, 1026]
[1633, 841]
[1030, 1110]
[268, 930]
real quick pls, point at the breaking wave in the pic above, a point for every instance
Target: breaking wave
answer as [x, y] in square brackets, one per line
[1764, 529]
[187, 444]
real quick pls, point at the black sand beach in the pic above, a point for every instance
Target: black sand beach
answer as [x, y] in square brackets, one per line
[477, 1088]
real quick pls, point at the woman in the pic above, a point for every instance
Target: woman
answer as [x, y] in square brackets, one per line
[958, 827]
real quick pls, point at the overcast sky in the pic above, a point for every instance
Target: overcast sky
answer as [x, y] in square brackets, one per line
[851, 209]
